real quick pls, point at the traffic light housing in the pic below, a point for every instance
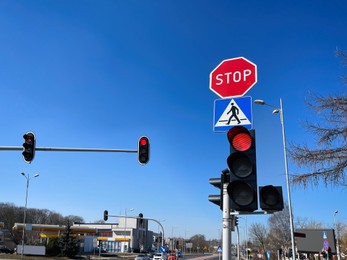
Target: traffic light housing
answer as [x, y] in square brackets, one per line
[271, 198]
[143, 150]
[216, 199]
[243, 169]
[218, 183]
[105, 215]
[29, 147]
[236, 221]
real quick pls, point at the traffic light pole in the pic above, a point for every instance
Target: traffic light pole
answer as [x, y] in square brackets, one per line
[226, 254]
[64, 149]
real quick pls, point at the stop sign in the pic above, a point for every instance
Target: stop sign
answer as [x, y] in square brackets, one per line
[233, 77]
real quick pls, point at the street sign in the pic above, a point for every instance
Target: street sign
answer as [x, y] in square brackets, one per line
[231, 112]
[233, 77]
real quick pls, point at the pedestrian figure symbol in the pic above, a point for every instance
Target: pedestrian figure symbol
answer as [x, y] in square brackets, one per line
[234, 112]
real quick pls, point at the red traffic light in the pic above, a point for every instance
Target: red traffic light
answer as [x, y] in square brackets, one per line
[240, 138]
[143, 140]
[29, 147]
[143, 150]
[242, 188]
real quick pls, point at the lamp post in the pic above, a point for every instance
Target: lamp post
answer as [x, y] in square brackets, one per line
[125, 225]
[27, 177]
[337, 237]
[280, 111]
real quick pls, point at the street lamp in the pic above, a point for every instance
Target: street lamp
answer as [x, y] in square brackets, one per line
[337, 237]
[125, 226]
[280, 111]
[27, 177]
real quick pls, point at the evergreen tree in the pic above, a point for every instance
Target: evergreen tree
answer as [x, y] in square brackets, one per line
[69, 246]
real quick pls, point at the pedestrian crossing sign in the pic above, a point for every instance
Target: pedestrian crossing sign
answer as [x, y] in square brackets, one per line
[232, 112]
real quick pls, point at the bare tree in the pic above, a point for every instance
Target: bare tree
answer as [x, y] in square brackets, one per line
[279, 230]
[308, 223]
[328, 161]
[258, 233]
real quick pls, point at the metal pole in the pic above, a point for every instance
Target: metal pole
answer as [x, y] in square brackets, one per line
[287, 181]
[65, 149]
[238, 242]
[226, 254]
[337, 237]
[25, 209]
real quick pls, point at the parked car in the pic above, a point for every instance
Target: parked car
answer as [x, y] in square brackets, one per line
[6, 250]
[160, 256]
[142, 257]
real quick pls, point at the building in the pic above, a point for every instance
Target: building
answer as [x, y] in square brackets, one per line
[129, 235]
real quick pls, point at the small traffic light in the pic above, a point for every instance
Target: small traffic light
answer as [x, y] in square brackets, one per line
[105, 215]
[271, 198]
[141, 219]
[216, 199]
[218, 183]
[243, 169]
[143, 150]
[29, 147]
[236, 221]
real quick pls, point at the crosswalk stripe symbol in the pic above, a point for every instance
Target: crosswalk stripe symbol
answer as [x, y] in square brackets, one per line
[232, 116]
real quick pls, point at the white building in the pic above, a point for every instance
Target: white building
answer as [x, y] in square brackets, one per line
[129, 235]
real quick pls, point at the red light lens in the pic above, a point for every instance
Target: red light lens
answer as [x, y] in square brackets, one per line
[242, 142]
[143, 141]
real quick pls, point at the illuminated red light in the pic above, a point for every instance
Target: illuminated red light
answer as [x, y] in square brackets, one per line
[240, 138]
[242, 142]
[143, 141]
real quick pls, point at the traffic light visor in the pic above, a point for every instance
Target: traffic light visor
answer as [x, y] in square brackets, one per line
[240, 138]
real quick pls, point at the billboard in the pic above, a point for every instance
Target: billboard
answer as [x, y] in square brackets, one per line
[315, 240]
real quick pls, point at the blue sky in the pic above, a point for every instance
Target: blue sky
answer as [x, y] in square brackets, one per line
[102, 73]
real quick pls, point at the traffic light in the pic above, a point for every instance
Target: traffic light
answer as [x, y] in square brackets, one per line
[143, 150]
[271, 198]
[218, 183]
[141, 219]
[216, 199]
[243, 170]
[236, 221]
[105, 215]
[29, 147]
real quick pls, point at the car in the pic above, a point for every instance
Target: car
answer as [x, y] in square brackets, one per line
[142, 257]
[160, 256]
[172, 256]
[6, 250]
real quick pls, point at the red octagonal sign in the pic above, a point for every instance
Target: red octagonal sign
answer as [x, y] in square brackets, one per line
[233, 77]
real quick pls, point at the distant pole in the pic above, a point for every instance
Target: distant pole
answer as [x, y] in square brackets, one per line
[27, 177]
[337, 237]
[125, 228]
